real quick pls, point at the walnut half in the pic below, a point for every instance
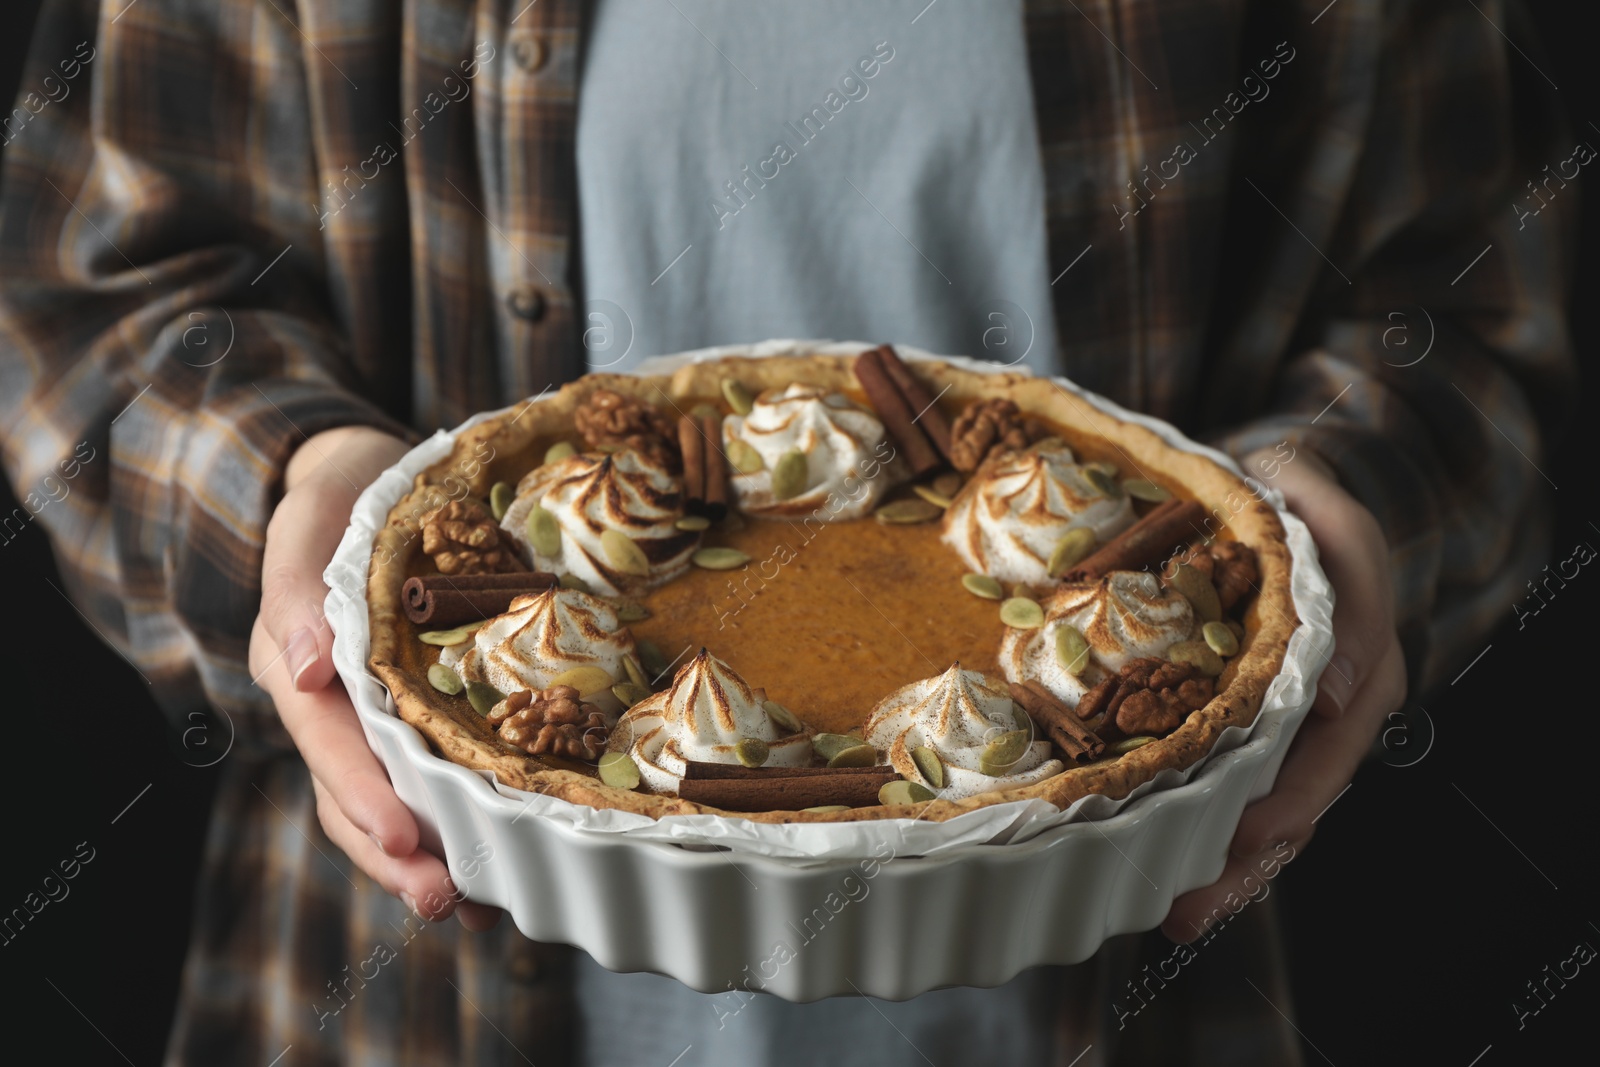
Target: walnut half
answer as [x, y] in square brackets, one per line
[986, 429]
[463, 538]
[551, 721]
[611, 418]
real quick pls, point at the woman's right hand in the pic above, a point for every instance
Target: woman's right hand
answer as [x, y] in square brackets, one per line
[291, 648]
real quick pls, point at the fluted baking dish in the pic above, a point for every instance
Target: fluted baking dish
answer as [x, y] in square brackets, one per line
[805, 917]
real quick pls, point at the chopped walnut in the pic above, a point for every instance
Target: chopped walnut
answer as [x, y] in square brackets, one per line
[1154, 696]
[609, 418]
[1231, 566]
[463, 538]
[986, 429]
[551, 721]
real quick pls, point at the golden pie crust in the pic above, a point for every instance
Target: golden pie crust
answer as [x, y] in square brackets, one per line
[505, 446]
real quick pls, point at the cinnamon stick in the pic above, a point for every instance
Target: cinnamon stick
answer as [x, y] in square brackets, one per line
[1059, 721]
[692, 445]
[898, 417]
[708, 771]
[716, 469]
[1150, 540]
[788, 793]
[444, 601]
[925, 412]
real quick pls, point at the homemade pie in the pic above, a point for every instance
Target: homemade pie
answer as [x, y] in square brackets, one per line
[825, 587]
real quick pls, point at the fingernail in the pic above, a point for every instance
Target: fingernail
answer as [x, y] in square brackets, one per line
[374, 839]
[1339, 680]
[411, 904]
[300, 653]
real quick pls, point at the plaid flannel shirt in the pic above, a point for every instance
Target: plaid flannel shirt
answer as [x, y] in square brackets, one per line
[225, 226]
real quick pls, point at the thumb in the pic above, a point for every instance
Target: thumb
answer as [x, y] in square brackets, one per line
[301, 538]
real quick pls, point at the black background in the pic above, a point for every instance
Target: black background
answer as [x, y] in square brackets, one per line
[1413, 922]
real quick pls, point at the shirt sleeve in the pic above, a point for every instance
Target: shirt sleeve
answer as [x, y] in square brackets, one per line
[165, 345]
[1431, 374]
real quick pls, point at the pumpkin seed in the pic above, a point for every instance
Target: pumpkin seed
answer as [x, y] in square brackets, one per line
[752, 751]
[857, 756]
[608, 447]
[1072, 651]
[623, 554]
[720, 559]
[731, 523]
[635, 672]
[1105, 484]
[789, 475]
[544, 532]
[830, 745]
[629, 693]
[786, 719]
[744, 457]
[903, 792]
[444, 679]
[1074, 547]
[618, 770]
[1220, 638]
[827, 809]
[1001, 754]
[1198, 591]
[1020, 613]
[981, 585]
[587, 680]
[631, 611]
[1128, 744]
[483, 697]
[500, 497]
[929, 765]
[907, 512]
[1198, 655]
[947, 484]
[1144, 489]
[932, 496]
[576, 584]
[693, 523]
[559, 451]
[737, 396]
[704, 410]
[1235, 628]
[444, 638]
[651, 659]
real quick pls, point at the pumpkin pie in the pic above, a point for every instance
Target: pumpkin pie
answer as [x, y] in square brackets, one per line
[822, 587]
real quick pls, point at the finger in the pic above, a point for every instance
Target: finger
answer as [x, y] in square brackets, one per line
[1321, 761]
[478, 917]
[419, 879]
[325, 729]
[300, 541]
[1243, 881]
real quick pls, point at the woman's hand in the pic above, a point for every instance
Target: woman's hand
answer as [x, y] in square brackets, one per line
[291, 657]
[1364, 681]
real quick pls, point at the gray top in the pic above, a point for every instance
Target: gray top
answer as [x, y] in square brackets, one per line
[827, 169]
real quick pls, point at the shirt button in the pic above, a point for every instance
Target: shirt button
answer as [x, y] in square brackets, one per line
[529, 52]
[526, 302]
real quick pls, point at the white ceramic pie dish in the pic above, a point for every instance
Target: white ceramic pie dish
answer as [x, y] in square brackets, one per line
[792, 915]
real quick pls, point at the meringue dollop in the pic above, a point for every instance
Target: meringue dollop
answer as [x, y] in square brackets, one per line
[957, 714]
[1123, 616]
[539, 637]
[850, 461]
[707, 711]
[592, 492]
[1008, 520]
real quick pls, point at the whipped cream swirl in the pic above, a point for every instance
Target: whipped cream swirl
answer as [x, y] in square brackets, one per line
[956, 714]
[707, 711]
[593, 492]
[1013, 513]
[1122, 617]
[539, 637]
[850, 461]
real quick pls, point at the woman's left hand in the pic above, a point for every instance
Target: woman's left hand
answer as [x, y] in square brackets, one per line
[1364, 681]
